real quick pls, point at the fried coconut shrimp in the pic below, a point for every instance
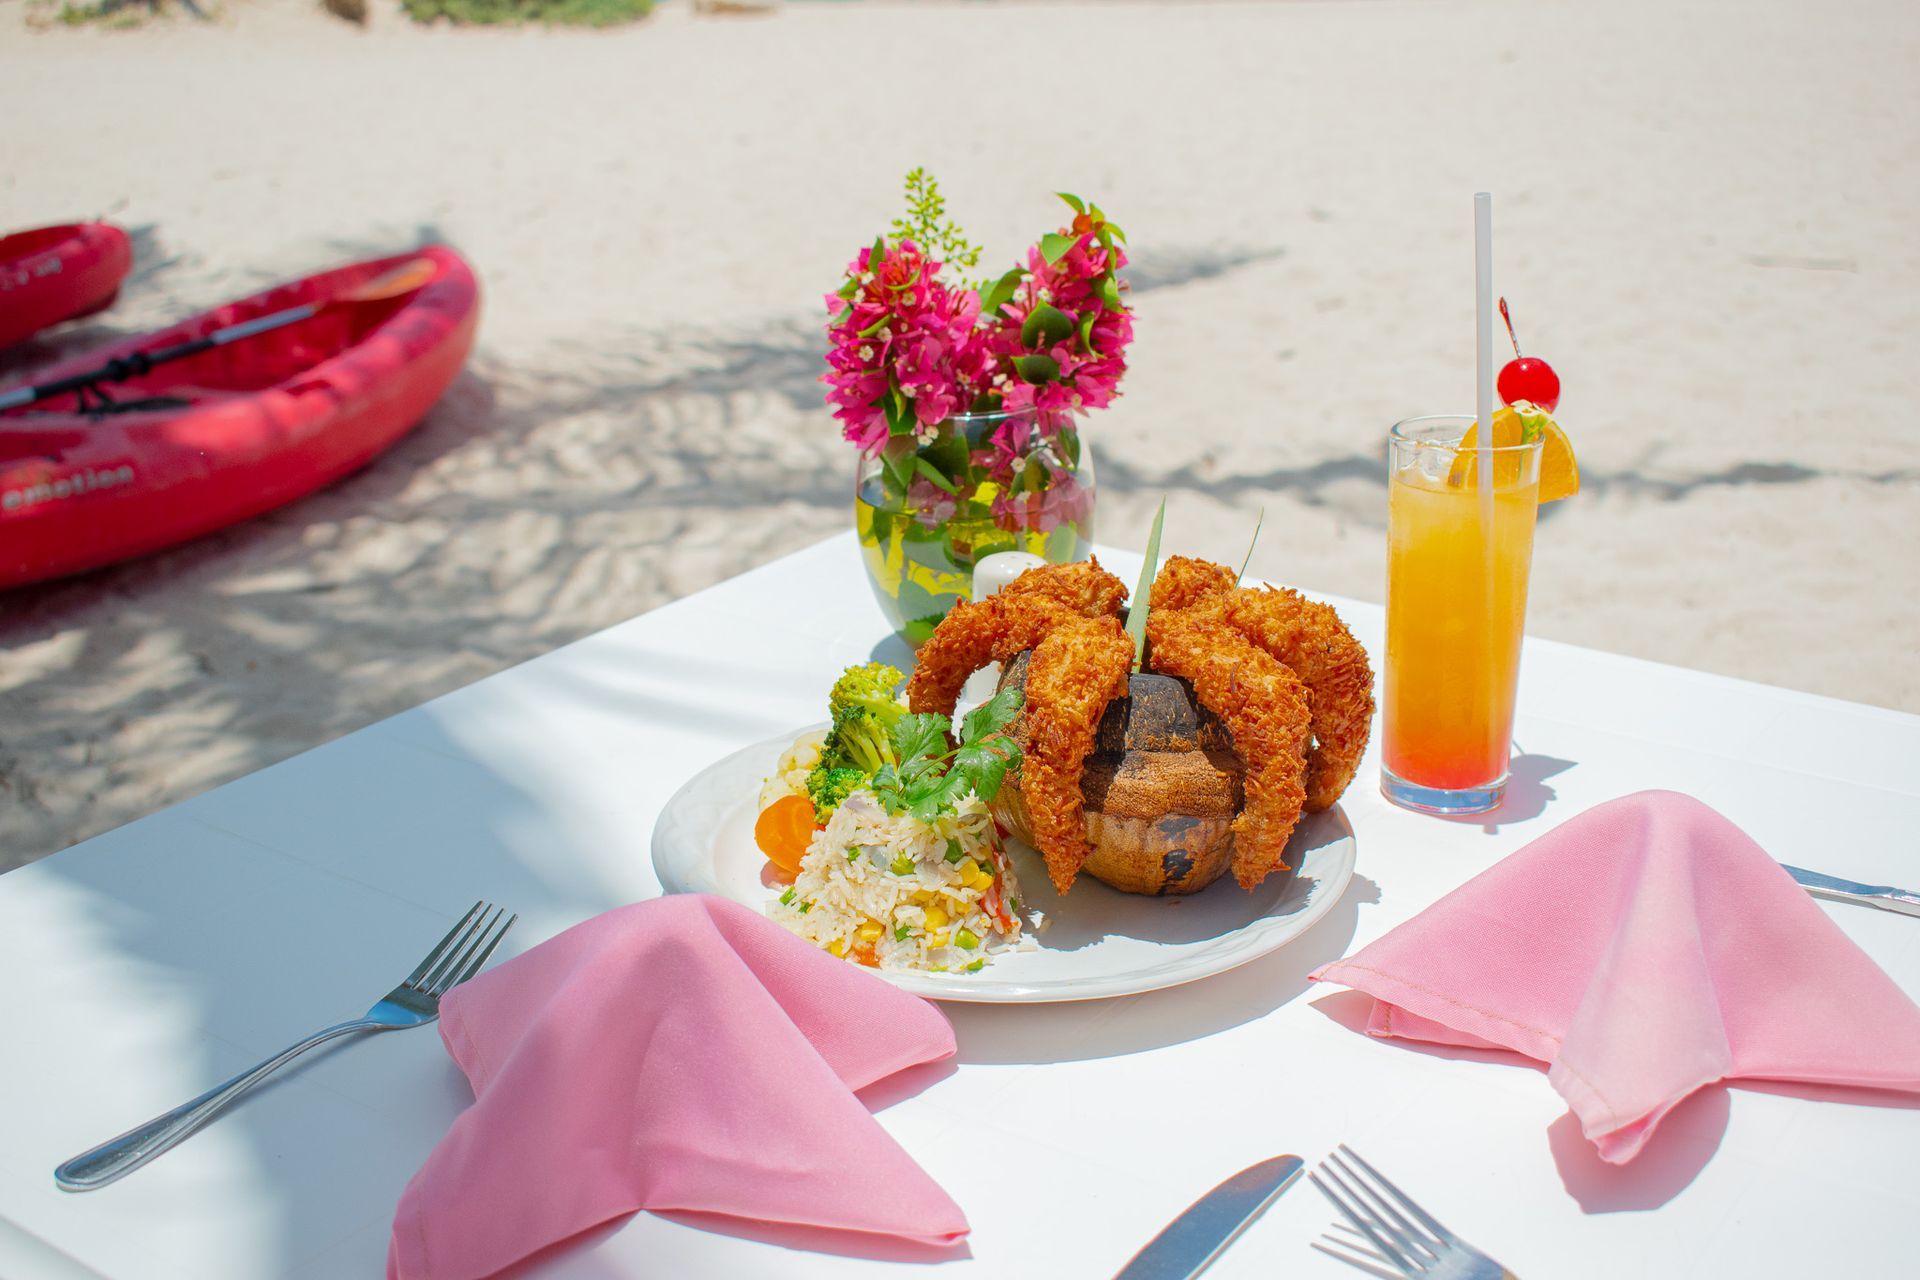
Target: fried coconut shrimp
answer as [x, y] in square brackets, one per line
[1184, 582]
[971, 636]
[1265, 707]
[1082, 586]
[1291, 683]
[1307, 637]
[1080, 667]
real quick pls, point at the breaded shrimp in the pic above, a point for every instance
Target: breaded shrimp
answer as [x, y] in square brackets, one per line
[971, 636]
[1083, 587]
[1077, 669]
[1265, 707]
[1305, 636]
[1184, 582]
[1309, 637]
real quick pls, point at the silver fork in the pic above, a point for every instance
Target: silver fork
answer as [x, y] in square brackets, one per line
[414, 1003]
[1411, 1243]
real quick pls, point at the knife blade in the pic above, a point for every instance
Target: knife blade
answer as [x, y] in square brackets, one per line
[1884, 896]
[1185, 1246]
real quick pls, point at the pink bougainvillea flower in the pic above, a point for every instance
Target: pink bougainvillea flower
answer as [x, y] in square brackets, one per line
[908, 351]
[901, 332]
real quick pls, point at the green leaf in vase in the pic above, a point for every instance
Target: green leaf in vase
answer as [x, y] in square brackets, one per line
[949, 454]
[898, 471]
[932, 473]
[1110, 293]
[1073, 200]
[1037, 370]
[1048, 321]
[1086, 331]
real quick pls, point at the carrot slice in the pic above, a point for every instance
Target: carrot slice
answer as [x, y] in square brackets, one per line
[784, 830]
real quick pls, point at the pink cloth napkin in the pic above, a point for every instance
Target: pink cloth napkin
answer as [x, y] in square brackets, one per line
[682, 1053]
[1642, 950]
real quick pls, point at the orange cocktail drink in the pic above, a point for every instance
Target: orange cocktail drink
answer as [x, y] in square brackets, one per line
[1458, 557]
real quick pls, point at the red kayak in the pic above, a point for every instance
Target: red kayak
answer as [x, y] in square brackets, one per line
[218, 437]
[59, 273]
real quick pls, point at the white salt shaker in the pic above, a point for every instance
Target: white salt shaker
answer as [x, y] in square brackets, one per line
[990, 573]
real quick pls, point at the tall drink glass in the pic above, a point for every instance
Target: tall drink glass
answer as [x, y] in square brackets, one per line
[1457, 563]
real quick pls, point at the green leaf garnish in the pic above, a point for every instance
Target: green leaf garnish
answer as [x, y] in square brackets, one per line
[1258, 521]
[991, 716]
[1143, 592]
[929, 779]
[917, 737]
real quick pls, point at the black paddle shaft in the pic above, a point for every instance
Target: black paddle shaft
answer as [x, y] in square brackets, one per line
[121, 368]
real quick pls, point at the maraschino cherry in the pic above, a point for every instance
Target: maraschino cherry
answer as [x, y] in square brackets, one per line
[1527, 377]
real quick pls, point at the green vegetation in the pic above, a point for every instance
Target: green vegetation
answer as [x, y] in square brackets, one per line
[926, 779]
[115, 14]
[865, 708]
[573, 13]
[928, 226]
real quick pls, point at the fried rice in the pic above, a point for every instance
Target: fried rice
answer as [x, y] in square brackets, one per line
[890, 891]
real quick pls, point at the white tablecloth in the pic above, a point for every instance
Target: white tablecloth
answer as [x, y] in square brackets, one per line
[149, 963]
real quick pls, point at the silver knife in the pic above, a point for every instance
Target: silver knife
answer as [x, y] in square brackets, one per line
[1884, 896]
[1186, 1245]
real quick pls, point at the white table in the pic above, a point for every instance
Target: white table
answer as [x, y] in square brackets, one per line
[151, 962]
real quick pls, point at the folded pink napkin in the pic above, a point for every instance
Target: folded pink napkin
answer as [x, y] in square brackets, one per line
[1641, 950]
[683, 1053]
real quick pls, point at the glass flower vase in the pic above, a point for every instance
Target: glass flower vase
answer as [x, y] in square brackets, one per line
[927, 506]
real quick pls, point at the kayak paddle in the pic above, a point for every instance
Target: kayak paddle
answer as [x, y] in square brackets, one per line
[405, 278]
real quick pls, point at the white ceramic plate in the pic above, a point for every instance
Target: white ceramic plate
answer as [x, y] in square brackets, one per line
[1098, 941]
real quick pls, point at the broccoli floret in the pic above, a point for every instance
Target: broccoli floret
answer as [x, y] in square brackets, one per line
[858, 740]
[827, 787]
[865, 709]
[870, 689]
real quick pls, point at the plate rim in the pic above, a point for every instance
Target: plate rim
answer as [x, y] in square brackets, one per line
[668, 846]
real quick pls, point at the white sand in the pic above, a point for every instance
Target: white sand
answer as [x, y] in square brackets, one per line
[1704, 217]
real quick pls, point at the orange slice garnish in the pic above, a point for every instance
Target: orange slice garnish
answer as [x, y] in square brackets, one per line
[1512, 424]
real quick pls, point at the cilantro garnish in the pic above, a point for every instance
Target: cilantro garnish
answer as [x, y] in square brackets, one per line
[929, 779]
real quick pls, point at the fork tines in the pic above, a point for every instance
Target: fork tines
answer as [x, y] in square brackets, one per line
[1390, 1234]
[462, 952]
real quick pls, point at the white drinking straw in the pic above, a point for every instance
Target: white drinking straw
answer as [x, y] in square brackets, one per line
[1483, 410]
[1483, 340]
